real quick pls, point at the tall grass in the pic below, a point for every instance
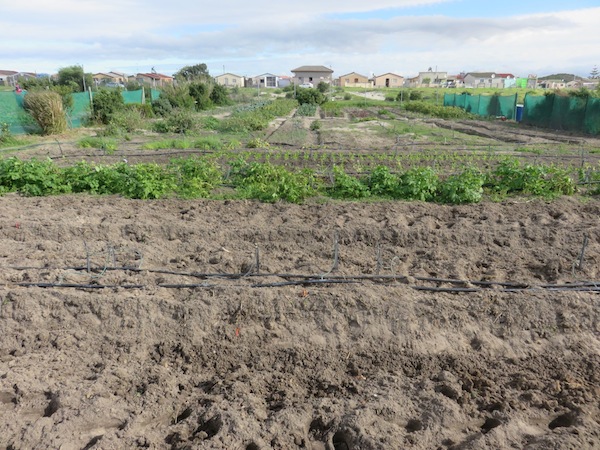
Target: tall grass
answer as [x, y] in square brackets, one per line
[46, 107]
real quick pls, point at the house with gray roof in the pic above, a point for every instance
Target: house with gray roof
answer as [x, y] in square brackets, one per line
[312, 74]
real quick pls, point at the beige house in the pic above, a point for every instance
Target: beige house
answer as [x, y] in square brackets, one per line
[230, 80]
[103, 78]
[354, 79]
[389, 80]
[312, 74]
[153, 79]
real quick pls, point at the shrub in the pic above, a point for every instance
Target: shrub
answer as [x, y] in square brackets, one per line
[315, 125]
[419, 183]
[306, 109]
[105, 103]
[219, 95]
[466, 187]
[196, 177]
[383, 183]
[179, 121]
[310, 95]
[347, 96]
[269, 183]
[346, 186]
[162, 106]
[46, 107]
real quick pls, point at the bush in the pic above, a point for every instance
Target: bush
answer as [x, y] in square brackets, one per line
[269, 183]
[196, 177]
[346, 186]
[307, 110]
[105, 103]
[179, 121]
[219, 95]
[419, 183]
[310, 95]
[315, 125]
[46, 107]
[383, 183]
[162, 106]
[466, 187]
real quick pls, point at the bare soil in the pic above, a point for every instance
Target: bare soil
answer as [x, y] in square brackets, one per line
[178, 324]
[165, 357]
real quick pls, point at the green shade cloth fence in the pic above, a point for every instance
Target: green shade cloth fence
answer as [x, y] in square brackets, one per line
[484, 105]
[563, 113]
[19, 122]
[553, 111]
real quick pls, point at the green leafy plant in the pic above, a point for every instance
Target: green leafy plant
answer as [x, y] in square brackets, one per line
[465, 187]
[419, 183]
[346, 186]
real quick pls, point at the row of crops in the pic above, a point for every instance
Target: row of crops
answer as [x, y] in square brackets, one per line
[206, 177]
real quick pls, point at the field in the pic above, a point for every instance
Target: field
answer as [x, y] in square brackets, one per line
[229, 323]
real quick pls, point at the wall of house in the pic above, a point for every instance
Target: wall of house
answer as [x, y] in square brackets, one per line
[312, 77]
[394, 81]
[354, 81]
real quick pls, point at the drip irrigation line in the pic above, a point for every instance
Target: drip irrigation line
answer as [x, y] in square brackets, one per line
[304, 283]
[443, 289]
[83, 286]
[187, 286]
[299, 279]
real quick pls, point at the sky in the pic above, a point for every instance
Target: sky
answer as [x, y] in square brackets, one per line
[250, 38]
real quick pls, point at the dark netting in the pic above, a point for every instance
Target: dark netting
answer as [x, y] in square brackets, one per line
[472, 103]
[449, 99]
[568, 113]
[507, 106]
[537, 110]
[592, 116]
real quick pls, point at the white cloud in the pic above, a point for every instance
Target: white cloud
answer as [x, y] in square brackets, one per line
[258, 36]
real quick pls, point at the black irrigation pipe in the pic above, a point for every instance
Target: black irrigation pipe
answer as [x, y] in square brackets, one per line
[83, 286]
[507, 284]
[305, 282]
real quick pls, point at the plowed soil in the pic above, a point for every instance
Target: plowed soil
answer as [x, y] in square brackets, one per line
[236, 325]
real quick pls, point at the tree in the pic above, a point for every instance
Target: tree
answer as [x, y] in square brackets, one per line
[219, 95]
[105, 103]
[310, 95]
[595, 74]
[323, 87]
[74, 76]
[198, 72]
[201, 94]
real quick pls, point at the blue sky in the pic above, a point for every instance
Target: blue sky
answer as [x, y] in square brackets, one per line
[250, 38]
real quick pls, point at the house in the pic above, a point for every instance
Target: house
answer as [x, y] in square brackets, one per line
[552, 84]
[109, 78]
[389, 80]
[284, 81]
[483, 80]
[230, 80]
[11, 77]
[508, 80]
[353, 79]
[266, 80]
[7, 77]
[153, 79]
[312, 74]
[432, 78]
